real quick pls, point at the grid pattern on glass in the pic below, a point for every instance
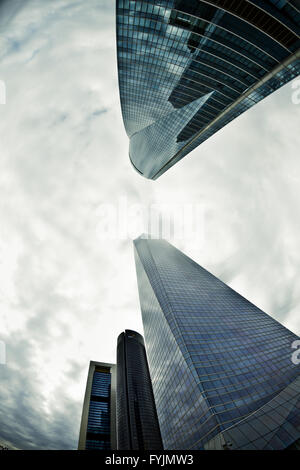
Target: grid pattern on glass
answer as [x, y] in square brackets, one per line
[274, 426]
[98, 421]
[159, 135]
[137, 423]
[238, 355]
[101, 384]
[98, 427]
[173, 52]
[97, 444]
[178, 396]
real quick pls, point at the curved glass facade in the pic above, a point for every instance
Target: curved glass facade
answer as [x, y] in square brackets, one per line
[215, 359]
[210, 60]
[275, 426]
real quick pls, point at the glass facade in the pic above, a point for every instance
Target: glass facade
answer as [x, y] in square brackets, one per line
[99, 412]
[275, 426]
[137, 423]
[219, 365]
[98, 421]
[188, 67]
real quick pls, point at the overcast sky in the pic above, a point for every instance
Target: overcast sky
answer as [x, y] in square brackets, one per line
[66, 293]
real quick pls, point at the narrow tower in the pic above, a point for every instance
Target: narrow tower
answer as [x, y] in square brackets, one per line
[137, 423]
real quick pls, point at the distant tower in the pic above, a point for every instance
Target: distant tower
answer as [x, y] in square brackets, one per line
[221, 368]
[137, 423]
[98, 422]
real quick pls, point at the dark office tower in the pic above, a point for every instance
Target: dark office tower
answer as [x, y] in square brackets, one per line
[98, 421]
[137, 423]
[221, 369]
[189, 67]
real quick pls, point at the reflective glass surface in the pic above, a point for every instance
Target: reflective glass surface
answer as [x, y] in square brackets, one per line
[275, 426]
[98, 428]
[189, 67]
[137, 423]
[214, 357]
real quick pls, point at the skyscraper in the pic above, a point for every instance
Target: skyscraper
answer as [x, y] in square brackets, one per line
[137, 423]
[189, 67]
[98, 421]
[221, 369]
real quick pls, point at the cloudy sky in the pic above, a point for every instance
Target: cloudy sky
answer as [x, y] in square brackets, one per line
[65, 292]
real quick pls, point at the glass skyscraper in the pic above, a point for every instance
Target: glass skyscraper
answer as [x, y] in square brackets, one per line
[221, 369]
[98, 422]
[137, 423]
[188, 67]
